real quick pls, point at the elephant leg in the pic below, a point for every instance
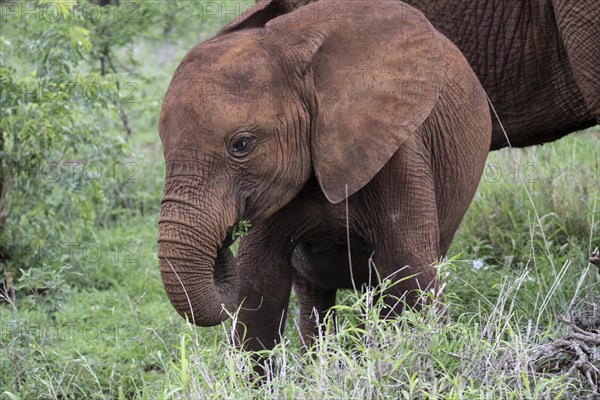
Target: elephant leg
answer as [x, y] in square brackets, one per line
[435, 177]
[313, 303]
[265, 285]
[407, 256]
[411, 276]
[407, 235]
[579, 27]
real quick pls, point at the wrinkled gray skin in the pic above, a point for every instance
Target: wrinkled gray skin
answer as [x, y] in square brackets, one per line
[281, 122]
[536, 59]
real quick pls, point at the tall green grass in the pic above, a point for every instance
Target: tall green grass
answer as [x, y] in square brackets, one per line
[489, 355]
[104, 328]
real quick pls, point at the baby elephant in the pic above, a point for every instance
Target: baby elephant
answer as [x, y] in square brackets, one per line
[338, 124]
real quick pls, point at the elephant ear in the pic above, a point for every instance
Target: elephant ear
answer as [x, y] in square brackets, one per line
[377, 69]
[261, 13]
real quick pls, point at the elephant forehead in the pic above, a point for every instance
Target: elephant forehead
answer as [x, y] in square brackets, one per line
[235, 78]
[209, 99]
[221, 86]
[235, 62]
[227, 91]
[208, 112]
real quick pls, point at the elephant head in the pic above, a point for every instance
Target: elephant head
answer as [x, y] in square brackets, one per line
[251, 114]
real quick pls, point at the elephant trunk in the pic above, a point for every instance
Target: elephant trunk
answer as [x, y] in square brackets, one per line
[196, 264]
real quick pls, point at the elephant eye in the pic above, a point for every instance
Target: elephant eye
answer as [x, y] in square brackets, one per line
[240, 146]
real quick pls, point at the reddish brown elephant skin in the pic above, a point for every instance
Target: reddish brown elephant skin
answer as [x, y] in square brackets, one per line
[280, 122]
[536, 59]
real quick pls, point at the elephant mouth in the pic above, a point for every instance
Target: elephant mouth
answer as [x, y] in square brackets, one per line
[222, 266]
[224, 261]
[228, 241]
[225, 248]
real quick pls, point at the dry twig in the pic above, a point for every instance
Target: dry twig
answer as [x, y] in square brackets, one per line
[578, 351]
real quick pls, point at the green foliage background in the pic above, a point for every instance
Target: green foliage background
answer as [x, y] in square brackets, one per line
[85, 315]
[73, 94]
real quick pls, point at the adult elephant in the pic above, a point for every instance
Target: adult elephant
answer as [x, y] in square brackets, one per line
[536, 59]
[278, 121]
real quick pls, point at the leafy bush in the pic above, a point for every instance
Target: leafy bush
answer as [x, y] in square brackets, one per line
[62, 149]
[73, 92]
